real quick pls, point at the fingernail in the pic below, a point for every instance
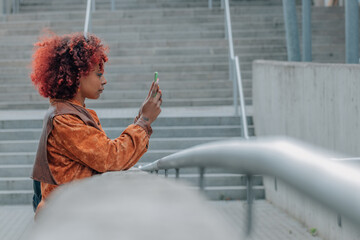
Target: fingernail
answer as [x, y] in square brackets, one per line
[157, 80]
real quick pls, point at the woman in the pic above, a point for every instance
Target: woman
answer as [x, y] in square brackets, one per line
[69, 69]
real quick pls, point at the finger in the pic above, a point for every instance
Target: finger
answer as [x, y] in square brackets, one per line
[160, 92]
[151, 89]
[157, 96]
[158, 104]
[155, 91]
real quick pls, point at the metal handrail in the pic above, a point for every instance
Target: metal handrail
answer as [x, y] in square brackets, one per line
[301, 165]
[88, 23]
[15, 6]
[234, 70]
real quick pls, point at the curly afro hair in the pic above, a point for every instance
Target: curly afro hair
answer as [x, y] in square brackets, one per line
[59, 62]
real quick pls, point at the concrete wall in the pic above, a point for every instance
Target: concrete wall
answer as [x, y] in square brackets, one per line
[319, 104]
[311, 213]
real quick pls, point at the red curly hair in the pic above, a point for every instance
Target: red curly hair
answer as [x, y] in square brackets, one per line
[59, 62]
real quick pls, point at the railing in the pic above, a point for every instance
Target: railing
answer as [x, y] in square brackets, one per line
[234, 65]
[90, 8]
[234, 70]
[88, 22]
[286, 159]
[15, 6]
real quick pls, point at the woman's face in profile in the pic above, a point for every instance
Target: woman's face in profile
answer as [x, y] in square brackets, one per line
[92, 85]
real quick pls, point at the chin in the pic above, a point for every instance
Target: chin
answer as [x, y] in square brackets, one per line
[94, 97]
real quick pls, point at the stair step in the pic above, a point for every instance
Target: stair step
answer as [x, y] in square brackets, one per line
[128, 103]
[106, 122]
[15, 170]
[155, 144]
[159, 132]
[16, 197]
[15, 183]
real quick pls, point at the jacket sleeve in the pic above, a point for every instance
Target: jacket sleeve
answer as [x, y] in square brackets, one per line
[91, 147]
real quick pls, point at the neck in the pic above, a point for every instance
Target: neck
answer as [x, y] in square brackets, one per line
[79, 99]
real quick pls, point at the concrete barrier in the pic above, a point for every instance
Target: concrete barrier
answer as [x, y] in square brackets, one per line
[129, 205]
[316, 103]
[319, 104]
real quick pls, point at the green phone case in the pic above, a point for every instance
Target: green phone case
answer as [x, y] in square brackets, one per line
[155, 76]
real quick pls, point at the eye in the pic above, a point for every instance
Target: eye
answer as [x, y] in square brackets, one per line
[99, 75]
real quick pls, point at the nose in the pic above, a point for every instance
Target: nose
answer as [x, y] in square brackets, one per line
[104, 81]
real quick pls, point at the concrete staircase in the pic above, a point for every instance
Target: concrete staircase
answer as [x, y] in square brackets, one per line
[181, 39]
[18, 146]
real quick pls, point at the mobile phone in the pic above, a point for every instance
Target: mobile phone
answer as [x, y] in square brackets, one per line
[156, 75]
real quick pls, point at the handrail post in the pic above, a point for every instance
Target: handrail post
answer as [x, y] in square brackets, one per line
[93, 6]
[249, 195]
[229, 35]
[112, 5]
[201, 178]
[4, 5]
[13, 6]
[87, 25]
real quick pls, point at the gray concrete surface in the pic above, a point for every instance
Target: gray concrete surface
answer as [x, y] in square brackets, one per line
[312, 213]
[270, 223]
[128, 205]
[319, 104]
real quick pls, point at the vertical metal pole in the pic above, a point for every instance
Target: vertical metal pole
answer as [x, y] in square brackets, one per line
[201, 179]
[352, 31]
[4, 7]
[235, 92]
[177, 174]
[87, 26]
[112, 5]
[210, 4]
[291, 27]
[306, 30]
[242, 99]
[249, 202]
[229, 37]
[93, 6]
[166, 173]
[339, 220]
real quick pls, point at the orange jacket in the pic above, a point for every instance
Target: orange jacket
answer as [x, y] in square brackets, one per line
[76, 150]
